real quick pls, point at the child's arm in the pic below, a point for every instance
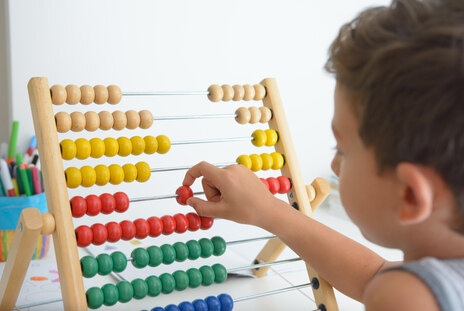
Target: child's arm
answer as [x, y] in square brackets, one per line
[235, 193]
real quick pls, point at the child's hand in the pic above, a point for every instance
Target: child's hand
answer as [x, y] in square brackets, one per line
[233, 193]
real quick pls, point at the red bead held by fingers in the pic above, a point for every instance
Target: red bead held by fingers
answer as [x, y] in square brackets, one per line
[100, 234]
[156, 226]
[194, 221]
[122, 202]
[206, 222]
[108, 203]
[94, 205]
[285, 184]
[274, 185]
[128, 230]
[169, 224]
[84, 236]
[114, 231]
[183, 193]
[264, 181]
[78, 206]
[142, 228]
[182, 223]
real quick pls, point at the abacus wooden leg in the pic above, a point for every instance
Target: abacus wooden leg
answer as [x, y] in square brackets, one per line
[20, 254]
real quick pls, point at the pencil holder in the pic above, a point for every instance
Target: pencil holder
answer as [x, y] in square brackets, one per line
[10, 209]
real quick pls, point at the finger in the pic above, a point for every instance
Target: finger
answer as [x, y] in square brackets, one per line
[211, 192]
[201, 169]
[205, 208]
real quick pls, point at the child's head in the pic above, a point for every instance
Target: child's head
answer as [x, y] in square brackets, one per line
[403, 68]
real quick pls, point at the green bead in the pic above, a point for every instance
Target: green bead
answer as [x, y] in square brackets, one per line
[94, 297]
[182, 279]
[207, 247]
[156, 256]
[168, 283]
[182, 251]
[154, 285]
[140, 288]
[126, 291]
[207, 274]
[219, 245]
[119, 261]
[141, 257]
[194, 249]
[169, 254]
[110, 294]
[89, 266]
[195, 277]
[220, 273]
[105, 264]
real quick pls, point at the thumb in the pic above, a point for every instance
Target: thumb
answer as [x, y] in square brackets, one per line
[202, 207]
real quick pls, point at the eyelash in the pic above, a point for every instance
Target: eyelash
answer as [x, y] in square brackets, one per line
[337, 151]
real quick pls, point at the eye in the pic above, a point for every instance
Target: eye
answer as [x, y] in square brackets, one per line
[337, 151]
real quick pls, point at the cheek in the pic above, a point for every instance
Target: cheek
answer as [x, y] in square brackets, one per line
[335, 165]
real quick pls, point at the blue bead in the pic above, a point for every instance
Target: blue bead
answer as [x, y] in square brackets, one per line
[227, 303]
[157, 309]
[200, 305]
[213, 303]
[186, 306]
[172, 308]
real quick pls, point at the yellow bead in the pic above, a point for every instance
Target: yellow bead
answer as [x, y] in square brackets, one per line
[164, 144]
[103, 174]
[138, 145]
[143, 171]
[130, 172]
[151, 144]
[272, 137]
[277, 160]
[111, 147]
[89, 177]
[259, 138]
[125, 146]
[73, 177]
[256, 162]
[83, 148]
[267, 161]
[244, 160]
[116, 174]
[68, 149]
[98, 148]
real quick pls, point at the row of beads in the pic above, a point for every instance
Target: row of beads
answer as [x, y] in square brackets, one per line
[115, 174]
[140, 228]
[280, 184]
[152, 286]
[123, 146]
[236, 92]
[223, 302]
[104, 120]
[253, 115]
[72, 94]
[153, 256]
[263, 162]
[93, 205]
[268, 137]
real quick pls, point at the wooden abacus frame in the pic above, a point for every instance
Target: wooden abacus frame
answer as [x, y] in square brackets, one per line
[59, 219]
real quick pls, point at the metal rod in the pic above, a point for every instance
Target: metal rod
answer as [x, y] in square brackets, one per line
[159, 197]
[213, 140]
[165, 93]
[273, 292]
[188, 117]
[180, 168]
[250, 240]
[265, 264]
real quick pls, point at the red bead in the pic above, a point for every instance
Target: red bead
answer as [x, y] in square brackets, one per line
[182, 223]
[100, 234]
[169, 224]
[108, 203]
[94, 205]
[122, 202]
[114, 231]
[206, 222]
[183, 193]
[156, 226]
[274, 185]
[194, 221]
[128, 230]
[84, 236]
[265, 182]
[284, 183]
[142, 228]
[78, 206]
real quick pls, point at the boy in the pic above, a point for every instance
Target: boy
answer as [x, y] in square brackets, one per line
[398, 122]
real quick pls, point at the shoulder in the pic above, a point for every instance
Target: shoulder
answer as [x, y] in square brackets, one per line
[398, 290]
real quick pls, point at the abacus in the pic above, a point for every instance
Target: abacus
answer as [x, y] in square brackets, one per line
[59, 220]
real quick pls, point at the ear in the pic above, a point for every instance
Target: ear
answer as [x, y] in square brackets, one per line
[416, 193]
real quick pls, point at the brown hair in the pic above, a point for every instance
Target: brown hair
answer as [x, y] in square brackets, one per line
[405, 64]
